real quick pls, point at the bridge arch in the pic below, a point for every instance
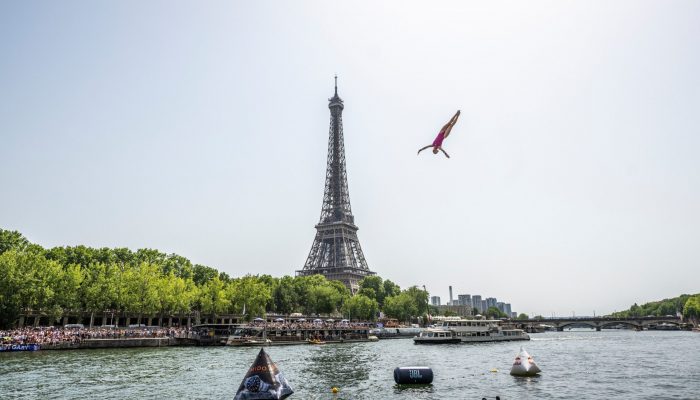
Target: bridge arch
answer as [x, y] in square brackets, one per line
[567, 324]
[628, 323]
[669, 322]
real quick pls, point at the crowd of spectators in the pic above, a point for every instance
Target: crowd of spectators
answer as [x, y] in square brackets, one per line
[317, 329]
[312, 324]
[73, 335]
[61, 335]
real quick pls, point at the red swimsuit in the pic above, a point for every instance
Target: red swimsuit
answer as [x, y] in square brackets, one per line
[438, 140]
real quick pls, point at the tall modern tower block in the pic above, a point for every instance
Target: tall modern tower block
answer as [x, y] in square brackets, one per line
[336, 251]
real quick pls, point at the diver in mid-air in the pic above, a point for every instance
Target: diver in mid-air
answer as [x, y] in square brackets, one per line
[444, 132]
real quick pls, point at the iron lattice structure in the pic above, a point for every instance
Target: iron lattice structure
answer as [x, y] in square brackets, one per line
[336, 251]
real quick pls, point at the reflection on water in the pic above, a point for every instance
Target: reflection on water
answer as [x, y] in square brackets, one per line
[413, 391]
[324, 362]
[617, 364]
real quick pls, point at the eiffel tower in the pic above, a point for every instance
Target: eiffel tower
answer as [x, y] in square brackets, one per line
[336, 251]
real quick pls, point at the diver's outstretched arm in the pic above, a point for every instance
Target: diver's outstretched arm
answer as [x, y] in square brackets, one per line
[430, 145]
[442, 150]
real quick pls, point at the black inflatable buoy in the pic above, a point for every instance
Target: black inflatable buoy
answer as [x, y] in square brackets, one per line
[413, 375]
[263, 381]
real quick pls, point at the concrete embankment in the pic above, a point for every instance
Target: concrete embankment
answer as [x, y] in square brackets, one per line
[135, 342]
[114, 343]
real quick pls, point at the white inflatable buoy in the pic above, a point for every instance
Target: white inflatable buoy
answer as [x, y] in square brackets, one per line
[524, 365]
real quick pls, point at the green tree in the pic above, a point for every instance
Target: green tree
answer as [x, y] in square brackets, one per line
[185, 293]
[284, 296]
[11, 288]
[213, 297]
[150, 256]
[361, 307]
[166, 292]
[691, 309]
[494, 312]
[45, 277]
[663, 307]
[666, 308]
[35, 282]
[251, 292]
[635, 311]
[302, 289]
[367, 292]
[420, 299]
[99, 288]
[391, 289]
[373, 287]
[122, 256]
[81, 255]
[224, 277]
[122, 290]
[178, 265]
[343, 293]
[143, 287]
[12, 240]
[323, 299]
[69, 288]
[523, 316]
[202, 274]
[402, 307]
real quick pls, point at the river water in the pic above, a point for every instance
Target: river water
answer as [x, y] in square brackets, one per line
[575, 365]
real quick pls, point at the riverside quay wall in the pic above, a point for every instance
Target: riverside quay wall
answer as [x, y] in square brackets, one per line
[113, 343]
[136, 342]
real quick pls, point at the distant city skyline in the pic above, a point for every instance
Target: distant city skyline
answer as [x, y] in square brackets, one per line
[474, 302]
[573, 181]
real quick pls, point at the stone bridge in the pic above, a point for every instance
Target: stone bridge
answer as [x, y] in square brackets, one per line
[597, 323]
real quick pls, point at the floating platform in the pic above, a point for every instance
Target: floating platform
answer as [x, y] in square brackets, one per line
[260, 335]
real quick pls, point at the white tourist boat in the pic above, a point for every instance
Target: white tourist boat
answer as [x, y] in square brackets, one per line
[481, 330]
[436, 336]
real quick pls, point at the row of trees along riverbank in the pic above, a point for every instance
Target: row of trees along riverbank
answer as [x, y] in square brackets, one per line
[147, 282]
[686, 304]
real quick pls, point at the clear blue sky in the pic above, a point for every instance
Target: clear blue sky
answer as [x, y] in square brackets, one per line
[200, 128]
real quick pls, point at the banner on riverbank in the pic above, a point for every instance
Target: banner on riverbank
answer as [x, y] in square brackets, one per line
[19, 347]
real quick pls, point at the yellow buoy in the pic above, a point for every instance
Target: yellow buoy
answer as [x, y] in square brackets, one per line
[494, 370]
[334, 389]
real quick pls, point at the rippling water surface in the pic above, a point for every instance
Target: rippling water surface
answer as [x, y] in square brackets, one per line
[575, 365]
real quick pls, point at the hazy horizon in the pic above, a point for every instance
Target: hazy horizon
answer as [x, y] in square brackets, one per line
[201, 129]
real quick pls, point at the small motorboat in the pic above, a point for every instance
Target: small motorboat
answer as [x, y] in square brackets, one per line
[524, 365]
[316, 341]
[436, 336]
